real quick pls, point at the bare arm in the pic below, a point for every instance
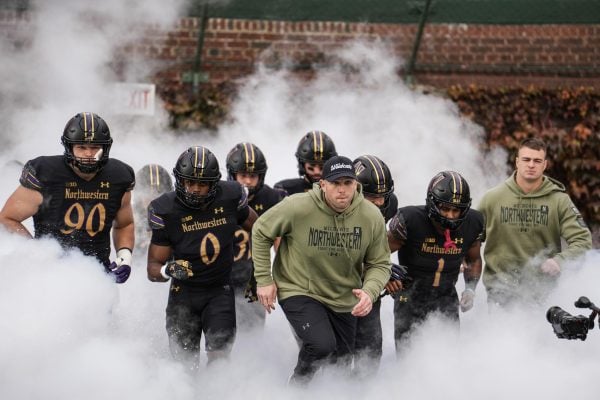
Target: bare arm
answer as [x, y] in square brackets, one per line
[473, 269]
[157, 257]
[249, 222]
[397, 232]
[123, 229]
[396, 237]
[22, 204]
[394, 243]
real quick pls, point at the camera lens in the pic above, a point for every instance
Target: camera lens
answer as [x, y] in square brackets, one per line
[555, 314]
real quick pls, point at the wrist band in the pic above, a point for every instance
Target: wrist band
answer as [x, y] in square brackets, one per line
[163, 272]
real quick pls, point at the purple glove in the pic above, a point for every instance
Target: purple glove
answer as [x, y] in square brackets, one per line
[120, 268]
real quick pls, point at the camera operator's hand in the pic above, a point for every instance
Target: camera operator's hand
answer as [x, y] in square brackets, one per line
[178, 269]
[550, 267]
[466, 300]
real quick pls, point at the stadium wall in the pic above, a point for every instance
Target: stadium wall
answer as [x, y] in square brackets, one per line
[494, 55]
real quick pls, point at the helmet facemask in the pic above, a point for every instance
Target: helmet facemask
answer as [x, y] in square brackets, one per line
[193, 200]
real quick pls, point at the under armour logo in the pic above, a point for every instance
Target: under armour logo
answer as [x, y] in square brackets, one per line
[306, 326]
[219, 210]
[402, 299]
[459, 240]
[258, 207]
[175, 288]
[104, 185]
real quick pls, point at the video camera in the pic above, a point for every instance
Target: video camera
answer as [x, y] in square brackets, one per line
[567, 326]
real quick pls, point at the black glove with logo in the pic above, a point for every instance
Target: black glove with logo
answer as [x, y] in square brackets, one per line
[178, 269]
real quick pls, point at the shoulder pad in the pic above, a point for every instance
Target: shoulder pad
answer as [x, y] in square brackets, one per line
[29, 179]
[155, 221]
[398, 226]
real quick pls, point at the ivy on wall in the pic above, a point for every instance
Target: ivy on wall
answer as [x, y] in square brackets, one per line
[204, 108]
[567, 119]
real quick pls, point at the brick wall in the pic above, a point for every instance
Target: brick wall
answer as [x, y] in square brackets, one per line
[492, 55]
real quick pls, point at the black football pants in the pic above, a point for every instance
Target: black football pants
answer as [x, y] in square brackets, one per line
[327, 336]
[412, 306]
[369, 339]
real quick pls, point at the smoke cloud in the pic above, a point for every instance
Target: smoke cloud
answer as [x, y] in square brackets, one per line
[69, 332]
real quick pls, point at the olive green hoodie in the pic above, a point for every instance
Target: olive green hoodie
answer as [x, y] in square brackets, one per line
[523, 230]
[322, 252]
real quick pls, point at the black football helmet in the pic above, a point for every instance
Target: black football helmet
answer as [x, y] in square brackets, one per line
[87, 128]
[375, 177]
[153, 178]
[246, 157]
[197, 164]
[314, 147]
[451, 189]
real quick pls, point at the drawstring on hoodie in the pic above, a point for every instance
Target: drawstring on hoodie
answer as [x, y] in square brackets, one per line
[448, 244]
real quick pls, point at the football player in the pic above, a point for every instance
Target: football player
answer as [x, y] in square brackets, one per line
[192, 245]
[378, 188]
[432, 241]
[151, 181]
[247, 165]
[313, 150]
[79, 197]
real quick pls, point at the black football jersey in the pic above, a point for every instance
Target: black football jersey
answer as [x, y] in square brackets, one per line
[423, 252]
[205, 238]
[294, 185]
[78, 213]
[264, 199]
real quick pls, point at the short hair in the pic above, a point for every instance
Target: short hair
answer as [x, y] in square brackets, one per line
[534, 144]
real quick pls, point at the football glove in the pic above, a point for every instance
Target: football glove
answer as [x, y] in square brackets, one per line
[250, 291]
[120, 269]
[178, 269]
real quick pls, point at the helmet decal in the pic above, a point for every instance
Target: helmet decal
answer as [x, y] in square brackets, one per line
[317, 145]
[249, 157]
[88, 133]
